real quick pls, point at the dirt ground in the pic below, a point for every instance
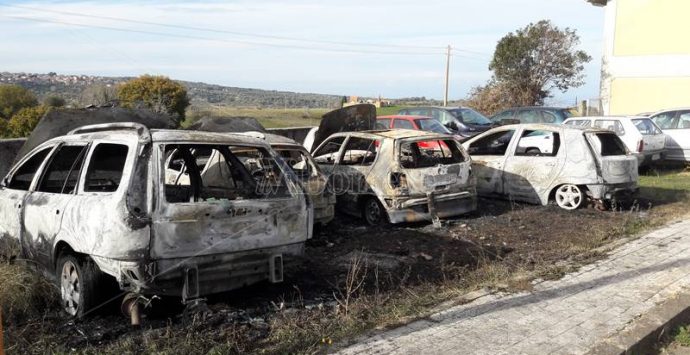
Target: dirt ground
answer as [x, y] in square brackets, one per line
[392, 258]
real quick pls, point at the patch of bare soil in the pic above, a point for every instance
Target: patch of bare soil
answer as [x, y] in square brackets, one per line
[393, 260]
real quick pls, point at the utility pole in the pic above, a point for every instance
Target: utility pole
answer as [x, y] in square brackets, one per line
[445, 96]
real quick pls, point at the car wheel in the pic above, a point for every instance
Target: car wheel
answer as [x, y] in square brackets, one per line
[569, 197]
[374, 213]
[78, 280]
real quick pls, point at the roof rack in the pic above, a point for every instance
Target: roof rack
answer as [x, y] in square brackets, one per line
[141, 130]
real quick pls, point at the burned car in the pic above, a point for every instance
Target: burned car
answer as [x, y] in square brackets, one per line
[100, 203]
[398, 175]
[538, 163]
[308, 173]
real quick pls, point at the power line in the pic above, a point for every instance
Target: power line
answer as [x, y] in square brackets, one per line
[245, 42]
[207, 29]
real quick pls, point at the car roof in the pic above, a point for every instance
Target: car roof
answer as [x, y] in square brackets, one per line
[607, 118]
[537, 126]
[406, 117]
[670, 110]
[393, 134]
[164, 135]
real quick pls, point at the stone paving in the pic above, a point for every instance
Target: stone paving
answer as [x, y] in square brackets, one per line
[566, 316]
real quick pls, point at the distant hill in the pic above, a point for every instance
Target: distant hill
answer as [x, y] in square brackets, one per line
[202, 95]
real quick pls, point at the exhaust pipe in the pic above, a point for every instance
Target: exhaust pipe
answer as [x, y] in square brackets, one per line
[130, 308]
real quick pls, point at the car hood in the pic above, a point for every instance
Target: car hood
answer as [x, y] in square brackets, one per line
[347, 119]
[58, 122]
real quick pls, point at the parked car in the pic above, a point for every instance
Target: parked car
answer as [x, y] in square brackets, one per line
[417, 123]
[462, 121]
[389, 175]
[580, 164]
[164, 212]
[676, 125]
[297, 158]
[533, 114]
[640, 135]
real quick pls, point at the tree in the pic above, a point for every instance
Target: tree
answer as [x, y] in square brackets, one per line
[496, 96]
[539, 58]
[14, 98]
[4, 130]
[54, 101]
[158, 93]
[24, 121]
[97, 95]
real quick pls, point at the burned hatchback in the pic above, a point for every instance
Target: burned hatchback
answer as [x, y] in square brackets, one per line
[103, 202]
[398, 175]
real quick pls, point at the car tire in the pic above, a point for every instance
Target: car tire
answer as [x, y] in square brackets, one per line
[569, 197]
[373, 212]
[78, 280]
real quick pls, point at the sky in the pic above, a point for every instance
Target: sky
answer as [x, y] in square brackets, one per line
[356, 47]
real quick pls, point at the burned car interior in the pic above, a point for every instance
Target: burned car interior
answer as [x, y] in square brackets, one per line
[213, 172]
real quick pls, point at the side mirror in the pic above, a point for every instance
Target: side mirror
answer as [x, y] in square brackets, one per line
[452, 125]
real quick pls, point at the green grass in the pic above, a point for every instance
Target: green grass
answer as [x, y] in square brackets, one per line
[390, 110]
[682, 336]
[268, 117]
[665, 184]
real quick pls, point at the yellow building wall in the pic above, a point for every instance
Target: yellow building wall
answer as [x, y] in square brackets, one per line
[651, 27]
[631, 96]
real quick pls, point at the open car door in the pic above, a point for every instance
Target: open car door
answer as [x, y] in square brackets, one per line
[353, 118]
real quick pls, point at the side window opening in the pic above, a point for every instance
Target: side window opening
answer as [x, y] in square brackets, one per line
[328, 153]
[360, 151]
[427, 154]
[298, 162]
[22, 178]
[646, 127]
[665, 120]
[62, 172]
[608, 144]
[538, 143]
[210, 173]
[494, 144]
[106, 167]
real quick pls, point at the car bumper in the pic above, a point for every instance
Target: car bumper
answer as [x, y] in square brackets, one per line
[609, 192]
[199, 276]
[421, 208]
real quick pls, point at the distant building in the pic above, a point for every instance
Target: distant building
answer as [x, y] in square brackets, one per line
[646, 63]
[379, 102]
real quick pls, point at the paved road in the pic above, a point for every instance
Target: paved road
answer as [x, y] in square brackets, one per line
[567, 316]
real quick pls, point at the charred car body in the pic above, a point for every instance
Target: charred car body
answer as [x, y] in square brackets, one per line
[538, 163]
[98, 202]
[398, 175]
[296, 156]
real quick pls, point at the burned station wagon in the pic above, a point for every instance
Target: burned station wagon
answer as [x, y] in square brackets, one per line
[398, 175]
[98, 202]
[538, 163]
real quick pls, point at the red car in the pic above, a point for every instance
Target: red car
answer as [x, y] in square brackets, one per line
[417, 123]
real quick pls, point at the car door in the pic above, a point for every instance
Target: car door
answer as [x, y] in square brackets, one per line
[488, 154]
[678, 137]
[13, 191]
[668, 122]
[529, 173]
[353, 169]
[45, 206]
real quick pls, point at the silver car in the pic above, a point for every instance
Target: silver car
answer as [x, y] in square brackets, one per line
[99, 203]
[572, 165]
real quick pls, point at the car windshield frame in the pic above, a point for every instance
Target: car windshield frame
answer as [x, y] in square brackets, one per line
[470, 116]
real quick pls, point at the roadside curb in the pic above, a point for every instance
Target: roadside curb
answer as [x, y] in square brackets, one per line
[643, 334]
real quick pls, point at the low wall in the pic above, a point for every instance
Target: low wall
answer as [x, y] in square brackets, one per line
[296, 133]
[8, 151]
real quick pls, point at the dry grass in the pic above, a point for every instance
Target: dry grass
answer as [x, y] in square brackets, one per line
[299, 330]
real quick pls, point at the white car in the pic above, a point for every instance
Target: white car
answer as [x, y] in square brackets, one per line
[640, 134]
[580, 164]
[676, 125]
